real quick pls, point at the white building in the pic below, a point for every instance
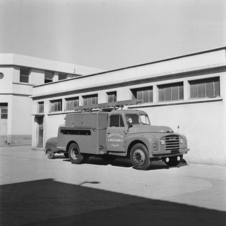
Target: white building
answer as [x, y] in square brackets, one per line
[18, 75]
[186, 91]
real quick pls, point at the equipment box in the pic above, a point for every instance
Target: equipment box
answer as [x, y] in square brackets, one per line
[88, 130]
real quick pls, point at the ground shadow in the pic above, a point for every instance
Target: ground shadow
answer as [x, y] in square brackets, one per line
[47, 202]
[125, 162]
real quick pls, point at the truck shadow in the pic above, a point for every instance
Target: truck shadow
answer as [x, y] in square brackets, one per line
[48, 202]
[125, 162]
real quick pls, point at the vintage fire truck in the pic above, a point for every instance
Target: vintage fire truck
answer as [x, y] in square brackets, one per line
[109, 131]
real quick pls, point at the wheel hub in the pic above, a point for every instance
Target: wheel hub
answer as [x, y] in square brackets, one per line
[138, 157]
[74, 153]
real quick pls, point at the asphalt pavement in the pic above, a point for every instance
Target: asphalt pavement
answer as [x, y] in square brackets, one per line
[35, 190]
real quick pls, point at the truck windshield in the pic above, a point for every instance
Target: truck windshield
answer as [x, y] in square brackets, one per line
[144, 120]
[136, 119]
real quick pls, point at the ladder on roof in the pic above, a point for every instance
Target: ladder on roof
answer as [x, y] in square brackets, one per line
[106, 106]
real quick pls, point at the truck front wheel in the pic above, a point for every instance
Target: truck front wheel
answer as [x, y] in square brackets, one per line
[74, 154]
[139, 157]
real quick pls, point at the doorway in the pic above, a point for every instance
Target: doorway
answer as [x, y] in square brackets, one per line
[40, 131]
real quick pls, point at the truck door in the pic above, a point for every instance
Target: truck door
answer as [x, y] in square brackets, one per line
[116, 134]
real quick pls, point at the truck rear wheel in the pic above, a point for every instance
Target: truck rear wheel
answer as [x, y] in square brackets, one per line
[50, 154]
[139, 157]
[74, 154]
[173, 161]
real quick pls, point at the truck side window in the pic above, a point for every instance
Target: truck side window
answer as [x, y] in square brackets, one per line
[116, 121]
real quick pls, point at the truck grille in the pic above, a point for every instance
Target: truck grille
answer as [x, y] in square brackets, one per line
[172, 142]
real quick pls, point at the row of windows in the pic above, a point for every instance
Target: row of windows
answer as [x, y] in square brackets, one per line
[71, 103]
[204, 88]
[25, 74]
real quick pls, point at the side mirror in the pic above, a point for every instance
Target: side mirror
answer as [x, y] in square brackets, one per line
[130, 125]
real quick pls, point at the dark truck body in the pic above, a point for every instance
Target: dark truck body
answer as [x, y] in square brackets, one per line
[109, 134]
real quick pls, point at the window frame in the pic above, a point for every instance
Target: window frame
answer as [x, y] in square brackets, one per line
[5, 113]
[47, 80]
[200, 88]
[143, 94]
[166, 93]
[41, 107]
[112, 95]
[85, 99]
[120, 121]
[25, 75]
[71, 98]
[62, 74]
[52, 105]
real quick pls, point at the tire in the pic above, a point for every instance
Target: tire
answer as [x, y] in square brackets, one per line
[173, 161]
[139, 157]
[50, 154]
[74, 154]
[66, 155]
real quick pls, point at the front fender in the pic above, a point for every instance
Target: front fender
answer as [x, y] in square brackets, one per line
[147, 140]
[51, 144]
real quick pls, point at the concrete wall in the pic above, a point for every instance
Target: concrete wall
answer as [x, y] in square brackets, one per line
[153, 70]
[6, 82]
[17, 128]
[43, 64]
[202, 120]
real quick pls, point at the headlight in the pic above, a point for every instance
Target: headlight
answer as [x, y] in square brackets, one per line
[181, 140]
[162, 142]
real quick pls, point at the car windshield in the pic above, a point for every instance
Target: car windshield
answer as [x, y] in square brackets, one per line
[136, 119]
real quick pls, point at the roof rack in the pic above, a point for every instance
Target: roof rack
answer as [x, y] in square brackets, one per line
[106, 106]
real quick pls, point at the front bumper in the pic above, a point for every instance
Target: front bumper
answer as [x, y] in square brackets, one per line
[170, 153]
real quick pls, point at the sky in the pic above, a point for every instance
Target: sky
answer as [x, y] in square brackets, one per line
[111, 34]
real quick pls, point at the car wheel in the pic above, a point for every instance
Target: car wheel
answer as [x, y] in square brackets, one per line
[173, 161]
[139, 157]
[50, 154]
[74, 154]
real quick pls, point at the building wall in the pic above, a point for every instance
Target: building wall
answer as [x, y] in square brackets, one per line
[201, 120]
[16, 129]
[7, 81]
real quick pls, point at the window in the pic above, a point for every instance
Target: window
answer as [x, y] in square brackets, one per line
[91, 99]
[171, 92]
[40, 107]
[3, 110]
[71, 103]
[56, 105]
[116, 121]
[4, 113]
[62, 76]
[134, 118]
[24, 75]
[205, 88]
[112, 97]
[48, 76]
[145, 94]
